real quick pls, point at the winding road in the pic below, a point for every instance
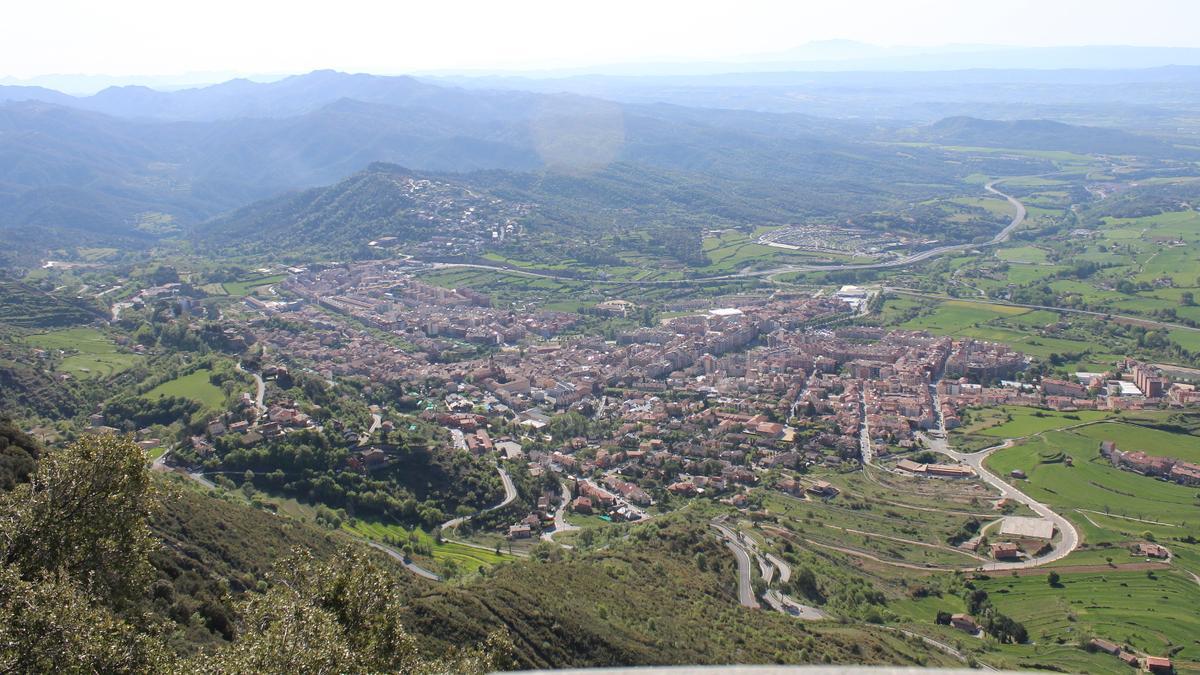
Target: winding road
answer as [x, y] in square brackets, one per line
[745, 587]
[260, 389]
[744, 550]
[1069, 539]
[560, 516]
[510, 493]
[408, 564]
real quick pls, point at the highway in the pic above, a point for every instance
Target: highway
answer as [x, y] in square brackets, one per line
[903, 261]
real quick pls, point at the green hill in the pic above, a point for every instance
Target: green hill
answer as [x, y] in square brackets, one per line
[645, 600]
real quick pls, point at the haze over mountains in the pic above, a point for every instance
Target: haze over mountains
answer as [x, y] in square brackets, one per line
[134, 163]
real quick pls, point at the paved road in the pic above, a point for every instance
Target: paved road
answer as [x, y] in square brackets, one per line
[745, 587]
[560, 516]
[864, 431]
[743, 550]
[376, 421]
[785, 570]
[199, 478]
[903, 261]
[510, 493]
[1069, 539]
[408, 564]
[260, 389]
[785, 604]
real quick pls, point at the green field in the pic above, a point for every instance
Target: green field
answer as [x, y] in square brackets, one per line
[90, 353]
[195, 386]
[1022, 254]
[1017, 421]
[1013, 326]
[1110, 507]
[247, 286]
[465, 558]
[1154, 615]
[1153, 441]
[954, 316]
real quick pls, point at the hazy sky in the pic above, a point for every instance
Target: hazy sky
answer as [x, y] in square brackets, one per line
[153, 37]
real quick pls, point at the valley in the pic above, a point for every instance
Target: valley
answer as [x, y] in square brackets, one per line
[901, 392]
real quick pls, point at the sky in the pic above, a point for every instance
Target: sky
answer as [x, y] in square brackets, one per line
[170, 37]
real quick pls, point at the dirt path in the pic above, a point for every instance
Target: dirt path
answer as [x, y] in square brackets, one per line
[1088, 569]
[1113, 515]
[913, 542]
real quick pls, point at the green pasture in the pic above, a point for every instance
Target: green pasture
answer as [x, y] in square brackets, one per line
[90, 353]
[195, 386]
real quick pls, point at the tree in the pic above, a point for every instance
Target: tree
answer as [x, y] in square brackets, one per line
[84, 515]
[1053, 578]
[74, 547]
[341, 615]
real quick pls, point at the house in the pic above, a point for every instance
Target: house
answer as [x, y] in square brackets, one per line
[520, 531]
[1006, 550]
[509, 449]
[1185, 473]
[965, 623]
[1129, 658]
[581, 505]
[823, 489]
[1151, 551]
[1159, 664]
[1102, 645]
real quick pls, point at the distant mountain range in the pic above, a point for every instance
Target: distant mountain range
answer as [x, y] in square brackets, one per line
[133, 163]
[1039, 134]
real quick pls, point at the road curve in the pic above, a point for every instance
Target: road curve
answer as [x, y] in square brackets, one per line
[408, 564]
[1059, 550]
[510, 494]
[259, 387]
[745, 587]
[903, 261]
[560, 517]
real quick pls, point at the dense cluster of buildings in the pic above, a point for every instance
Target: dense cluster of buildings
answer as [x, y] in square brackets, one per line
[1138, 461]
[699, 403]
